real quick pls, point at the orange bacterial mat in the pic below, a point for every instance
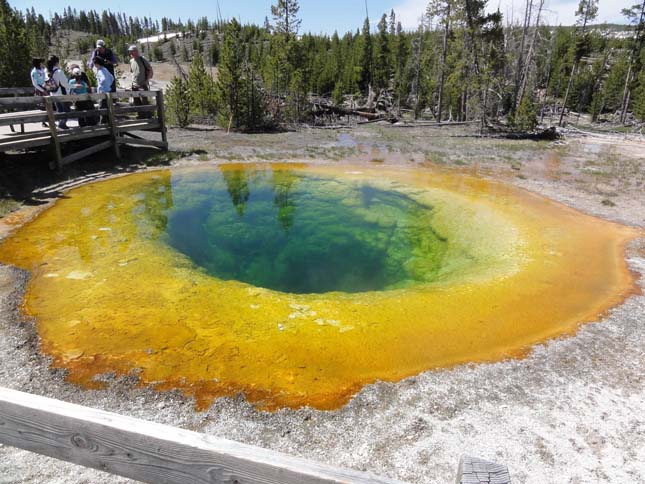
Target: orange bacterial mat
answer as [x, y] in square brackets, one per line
[297, 285]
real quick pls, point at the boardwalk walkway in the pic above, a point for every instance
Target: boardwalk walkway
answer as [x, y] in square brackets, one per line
[22, 118]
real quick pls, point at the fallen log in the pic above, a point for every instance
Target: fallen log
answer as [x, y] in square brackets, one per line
[545, 134]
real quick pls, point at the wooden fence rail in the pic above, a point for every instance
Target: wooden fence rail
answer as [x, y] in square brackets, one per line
[17, 108]
[151, 452]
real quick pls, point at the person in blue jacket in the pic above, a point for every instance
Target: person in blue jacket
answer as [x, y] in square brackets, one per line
[78, 85]
[104, 80]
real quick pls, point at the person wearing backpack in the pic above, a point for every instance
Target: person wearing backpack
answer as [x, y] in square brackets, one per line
[141, 74]
[57, 85]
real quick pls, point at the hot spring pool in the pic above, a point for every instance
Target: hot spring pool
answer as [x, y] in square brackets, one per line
[297, 285]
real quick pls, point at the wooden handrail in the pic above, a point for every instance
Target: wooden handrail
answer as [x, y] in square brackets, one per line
[151, 452]
[68, 98]
[15, 91]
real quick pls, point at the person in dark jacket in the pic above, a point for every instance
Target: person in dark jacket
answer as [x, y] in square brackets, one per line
[108, 56]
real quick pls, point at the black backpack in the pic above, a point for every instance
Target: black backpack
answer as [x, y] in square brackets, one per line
[52, 86]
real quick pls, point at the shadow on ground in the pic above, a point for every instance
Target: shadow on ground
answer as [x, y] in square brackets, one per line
[26, 179]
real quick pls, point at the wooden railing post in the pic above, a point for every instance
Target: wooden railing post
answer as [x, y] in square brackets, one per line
[49, 106]
[161, 116]
[113, 127]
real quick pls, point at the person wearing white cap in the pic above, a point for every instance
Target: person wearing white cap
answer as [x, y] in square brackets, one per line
[78, 85]
[141, 71]
[110, 59]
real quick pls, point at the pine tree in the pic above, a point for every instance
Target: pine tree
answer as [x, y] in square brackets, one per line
[382, 68]
[285, 15]
[586, 13]
[178, 102]
[445, 12]
[392, 23]
[366, 61]
[201, 88]
[525, 118]
[400, 57]
[229, 78]
[297, 97]
[14, 48]
[252, 94]
[636, 16]
[157, 53]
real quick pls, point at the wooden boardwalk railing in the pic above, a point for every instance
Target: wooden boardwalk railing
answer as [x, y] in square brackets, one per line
[15, 92]
[151, 452]
[32, 111]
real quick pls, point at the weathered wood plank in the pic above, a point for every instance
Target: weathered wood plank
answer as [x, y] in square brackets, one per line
[477, 471]
[161, 117]
[151, 452]
[34, 101]
[138, 125]
[70, 98]
[143, 142]
[128, 94]
[76, 134]
[113, 127]
[39, 117]
[89, 113]
[41, 140]
[23, 118]
[16, 91]
[135, 109]
[86, 152]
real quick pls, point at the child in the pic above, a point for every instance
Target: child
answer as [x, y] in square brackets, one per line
[77, 85]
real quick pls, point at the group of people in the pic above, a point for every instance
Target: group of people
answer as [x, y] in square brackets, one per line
[48, 79]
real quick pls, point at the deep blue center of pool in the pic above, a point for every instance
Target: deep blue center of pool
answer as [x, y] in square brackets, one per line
[298, 233]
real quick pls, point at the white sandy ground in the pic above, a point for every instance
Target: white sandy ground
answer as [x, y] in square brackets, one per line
[573, 411]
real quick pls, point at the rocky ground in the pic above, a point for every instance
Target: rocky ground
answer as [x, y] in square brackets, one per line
[570, 412]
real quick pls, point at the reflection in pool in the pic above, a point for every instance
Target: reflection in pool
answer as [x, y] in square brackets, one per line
[300, 233]
[297, 285]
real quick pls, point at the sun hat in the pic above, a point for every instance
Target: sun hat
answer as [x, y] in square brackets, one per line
[132, 47]
[76, 71]
[100, 43]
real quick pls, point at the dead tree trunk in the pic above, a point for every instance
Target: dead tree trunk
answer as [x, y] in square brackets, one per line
[529, 57]
[520, 56]
[444, 53]
[633, 56]
[576, 61]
